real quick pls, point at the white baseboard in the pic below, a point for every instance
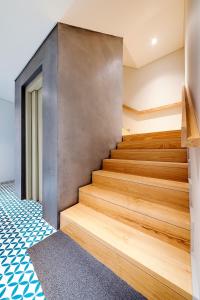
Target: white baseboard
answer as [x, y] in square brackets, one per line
[7, 182]
[195, 281]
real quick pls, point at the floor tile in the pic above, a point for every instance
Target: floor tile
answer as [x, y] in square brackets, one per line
[21, 226]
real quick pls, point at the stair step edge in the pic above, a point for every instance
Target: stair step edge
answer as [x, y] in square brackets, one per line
[163, 183]
[147, 162]
[90, 190]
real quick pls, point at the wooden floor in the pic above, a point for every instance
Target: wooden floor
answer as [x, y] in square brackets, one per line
[134, 217]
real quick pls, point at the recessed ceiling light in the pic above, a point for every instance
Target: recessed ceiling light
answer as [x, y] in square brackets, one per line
[154, 41]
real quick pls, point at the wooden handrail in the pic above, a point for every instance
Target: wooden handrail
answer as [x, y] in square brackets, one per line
[190, 134]
[152, 110]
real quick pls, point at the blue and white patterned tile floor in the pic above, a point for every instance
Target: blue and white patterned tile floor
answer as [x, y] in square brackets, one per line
[21, 226]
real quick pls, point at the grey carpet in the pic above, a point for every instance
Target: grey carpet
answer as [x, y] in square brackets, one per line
[66, 271]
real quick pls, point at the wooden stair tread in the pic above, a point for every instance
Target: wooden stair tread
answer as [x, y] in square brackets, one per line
[154, 210]
[149, 135]
[153, 143]
[155, 169]
[152, 150]
[159, 259]
[163, 164]
[171, 155]
[164, 183]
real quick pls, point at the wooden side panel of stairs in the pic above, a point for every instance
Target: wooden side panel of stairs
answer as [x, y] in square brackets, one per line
[134, 217]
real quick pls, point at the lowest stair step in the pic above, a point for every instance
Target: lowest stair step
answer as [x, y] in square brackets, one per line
[156, 169]
[155, 268]
[171, 155]
[166, 192]
[150, 216]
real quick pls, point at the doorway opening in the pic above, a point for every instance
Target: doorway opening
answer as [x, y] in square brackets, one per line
[34, 139]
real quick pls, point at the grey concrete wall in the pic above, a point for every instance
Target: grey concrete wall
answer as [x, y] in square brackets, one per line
[193, 80]
[82, 112]
[90, 105]
[45, 59]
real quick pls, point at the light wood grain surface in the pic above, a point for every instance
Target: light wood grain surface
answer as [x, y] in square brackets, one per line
[135, 218]
[190, 134]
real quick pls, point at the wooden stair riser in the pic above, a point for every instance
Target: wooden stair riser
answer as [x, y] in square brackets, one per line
[153, 135]
[167, 155]
[177, 236]
[163, 170]
[148, 286]
[176, 217]
[135, 275]
[174, 143]
[165, 196]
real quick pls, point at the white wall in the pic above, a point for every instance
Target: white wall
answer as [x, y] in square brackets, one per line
[192, 63]
[156, 84]
[7, 140]
[28, 23]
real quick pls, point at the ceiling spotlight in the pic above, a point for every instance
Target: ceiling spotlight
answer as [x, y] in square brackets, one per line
[154, 41]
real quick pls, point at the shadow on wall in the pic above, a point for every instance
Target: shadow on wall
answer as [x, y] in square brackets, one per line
[153, 115]
[7, 140]
[192, 63]
[169, 119]
[154, 85]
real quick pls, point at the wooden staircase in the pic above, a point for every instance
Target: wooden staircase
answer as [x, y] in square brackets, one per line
[134, 217]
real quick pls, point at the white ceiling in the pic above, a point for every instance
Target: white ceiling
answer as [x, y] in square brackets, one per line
[138, 21]
[25, 23]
